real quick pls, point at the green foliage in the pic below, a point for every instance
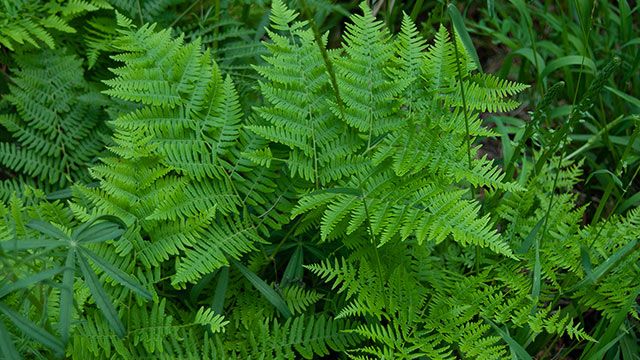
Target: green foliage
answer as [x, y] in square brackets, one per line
[57, 123]
[221, 191]
[31, 22]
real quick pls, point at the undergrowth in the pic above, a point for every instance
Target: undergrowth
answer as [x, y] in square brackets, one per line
[242, 180]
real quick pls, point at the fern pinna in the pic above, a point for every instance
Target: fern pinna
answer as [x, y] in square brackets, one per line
[337, 218]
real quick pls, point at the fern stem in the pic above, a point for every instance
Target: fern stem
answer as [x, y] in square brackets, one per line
[609, 188]
[140, 12]
[535, 55]
[216, 30]
[464, 103]
[284, 239]
[179, 17]
[325, 57]
[373, 236]
[615, 206]
[546, 217]
[549, 346]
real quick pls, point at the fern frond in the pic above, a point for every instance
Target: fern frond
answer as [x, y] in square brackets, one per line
[57, 126]
[230, 236]
[301, 336]
[297, 92]
[367, 91]
[299, 299]
[215, 322]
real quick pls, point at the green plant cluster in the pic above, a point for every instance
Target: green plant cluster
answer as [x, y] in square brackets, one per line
[231, 180]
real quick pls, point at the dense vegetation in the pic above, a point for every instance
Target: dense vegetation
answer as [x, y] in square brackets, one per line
[386, 180]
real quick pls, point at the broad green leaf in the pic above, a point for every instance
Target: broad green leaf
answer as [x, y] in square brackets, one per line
[7, 349]
[462, 32]
[117, 274]
[101, 298]
[110, 228]
[616, 180]
[221, 291]
[30, 280]
[585, 258]
[533, 57]
[32, 330]
[294, 268]
[196, 289]
[264, 289]
[48, 229]
[526, 244]
[66, 295]
[537, 273]
[568, 61]
[24, 244]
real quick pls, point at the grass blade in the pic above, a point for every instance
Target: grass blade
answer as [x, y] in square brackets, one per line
[264, 289]
[605, 266]
[221, 291]
[568, 60]
[520, 352]
[616, 180]
[532, 235]
[626, 97]
[461, 29]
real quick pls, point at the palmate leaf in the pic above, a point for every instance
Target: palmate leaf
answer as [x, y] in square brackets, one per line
[99, 229]
[111, 228]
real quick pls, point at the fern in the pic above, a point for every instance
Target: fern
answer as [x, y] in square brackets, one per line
[279, 199]
[298, 91]
[30, 22]
[57, 126]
